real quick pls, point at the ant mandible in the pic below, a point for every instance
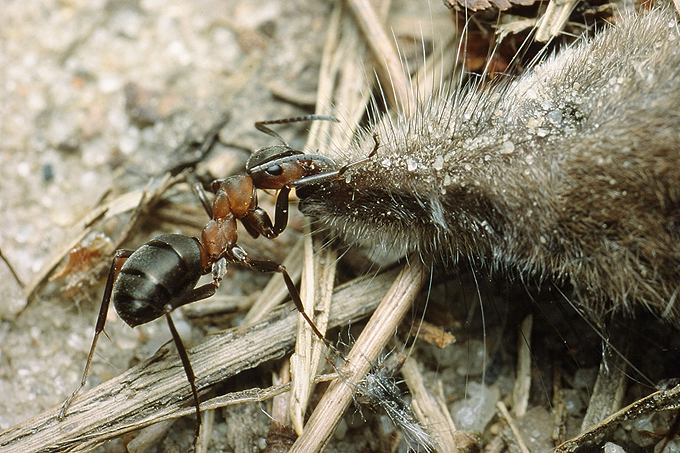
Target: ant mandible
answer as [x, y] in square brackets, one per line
[162, 274]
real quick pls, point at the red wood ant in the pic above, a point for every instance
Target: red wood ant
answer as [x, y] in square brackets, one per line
[162, 274]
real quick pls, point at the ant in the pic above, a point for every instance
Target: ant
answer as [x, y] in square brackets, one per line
[161, 275]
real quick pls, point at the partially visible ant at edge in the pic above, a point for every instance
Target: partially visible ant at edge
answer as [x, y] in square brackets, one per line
[142, 293]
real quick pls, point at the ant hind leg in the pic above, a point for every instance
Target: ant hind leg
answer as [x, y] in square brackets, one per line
[188, 370]
[118, 259]
[196, 294]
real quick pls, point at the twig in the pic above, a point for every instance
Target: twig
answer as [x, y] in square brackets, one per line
[11, 269]
[430, 410]
[610, 386]
[662, 400]
[513, 427]
[134, 201]
[432, 334]
[559, 407]
[158, 389]
[150, 436]
[520, 391]
[317, 284]
[280, 413]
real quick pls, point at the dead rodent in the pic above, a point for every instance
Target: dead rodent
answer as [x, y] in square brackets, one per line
[570, 172]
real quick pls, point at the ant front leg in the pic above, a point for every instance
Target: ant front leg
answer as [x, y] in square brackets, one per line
[258, 222]
[240, 256]
[119, 258]
[281, 219]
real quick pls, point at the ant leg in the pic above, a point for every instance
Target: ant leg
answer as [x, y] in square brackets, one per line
[186, 364]
[241, 257]
[258, 221]
[196, 294]
[251, 222]
[117, 262]
[198, 190]
[281, 212]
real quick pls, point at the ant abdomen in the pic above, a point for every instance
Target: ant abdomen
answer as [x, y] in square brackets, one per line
[155, 275]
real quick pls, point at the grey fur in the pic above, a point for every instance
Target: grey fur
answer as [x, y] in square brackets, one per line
[570, 172]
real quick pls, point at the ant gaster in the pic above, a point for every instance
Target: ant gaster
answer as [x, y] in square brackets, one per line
[162, 274]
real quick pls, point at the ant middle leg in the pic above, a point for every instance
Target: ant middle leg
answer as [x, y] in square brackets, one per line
[240, 256]
[196, 294]
[118, 259]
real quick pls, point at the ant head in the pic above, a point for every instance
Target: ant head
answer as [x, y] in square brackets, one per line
[275, 166]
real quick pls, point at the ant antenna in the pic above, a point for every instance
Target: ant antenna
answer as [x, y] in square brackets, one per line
[337, 173]
[262, 125]
[376, 145]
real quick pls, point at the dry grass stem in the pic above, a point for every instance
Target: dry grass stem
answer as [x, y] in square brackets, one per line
[554, 19]
[378, 331]
[513, 427]
[207, 422]
[389, 68]
[520, 392]
[609, 389]
[150, 436]
[157, 389]
[430, 409]
[662, 400]
[317, 286]
[280, 404]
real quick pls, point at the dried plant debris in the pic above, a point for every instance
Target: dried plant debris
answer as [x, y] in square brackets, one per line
[83, 264]
[480, 5]
[505, 41]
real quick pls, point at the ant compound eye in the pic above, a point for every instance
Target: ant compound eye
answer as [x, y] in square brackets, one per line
[276, 175]
[274, 170]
